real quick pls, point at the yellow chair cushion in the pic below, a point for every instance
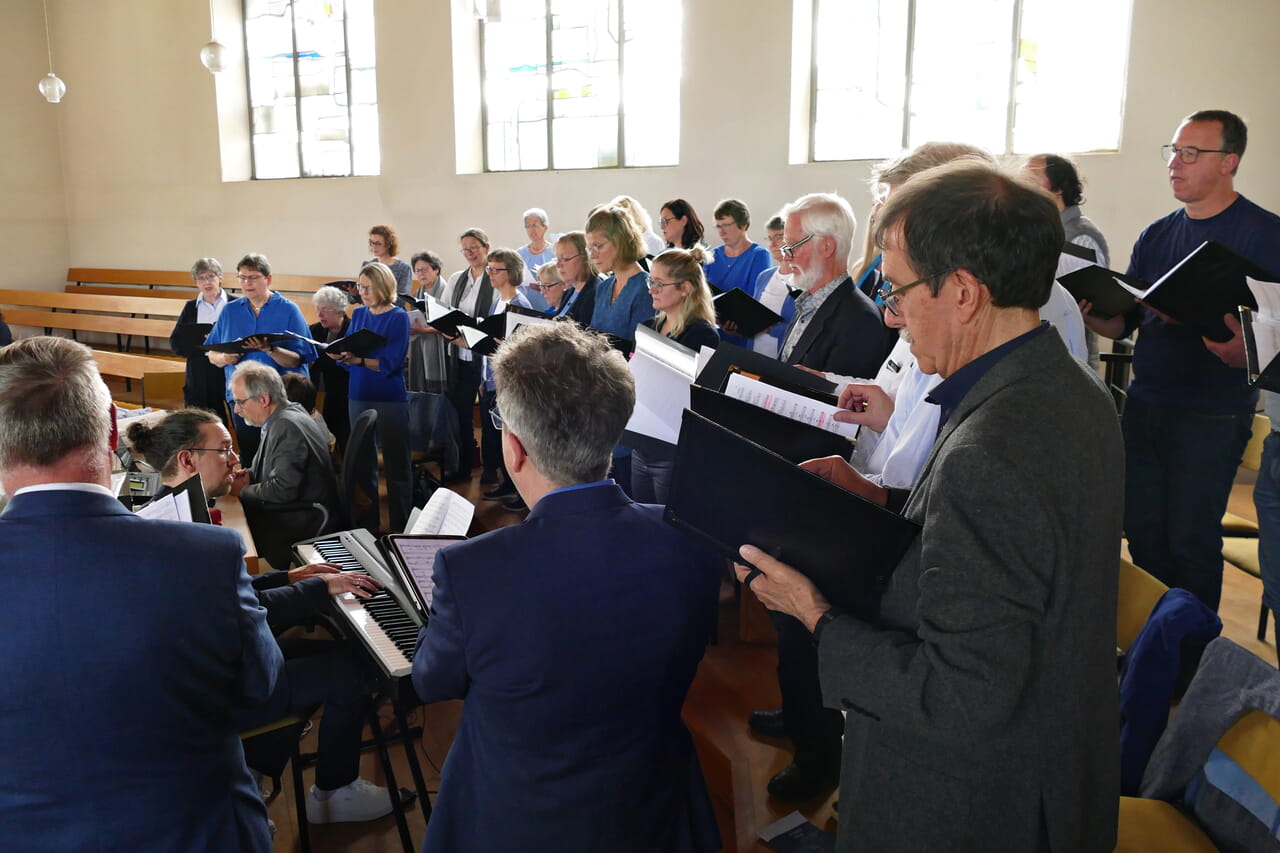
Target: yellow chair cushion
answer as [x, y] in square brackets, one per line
[1251, 744]
[1243, 554]
[1238, 525]
[1154, 826]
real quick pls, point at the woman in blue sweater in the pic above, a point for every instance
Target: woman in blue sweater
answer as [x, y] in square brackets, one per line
[377, 382]
[622, 299]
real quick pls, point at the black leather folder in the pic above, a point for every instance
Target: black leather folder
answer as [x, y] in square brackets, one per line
[728, 491]
[752, 318]
[729, 356]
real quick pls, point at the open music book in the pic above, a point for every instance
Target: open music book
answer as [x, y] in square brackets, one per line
[360, 344]
[1261, 330]
[237, 347]
[663, 371]
[447, 513]
[790, 404]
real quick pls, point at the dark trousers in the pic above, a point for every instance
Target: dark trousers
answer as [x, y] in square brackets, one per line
[392, 430]
[814, 729]
[491, 438]
[317, 671]
[1266, 500]
[651, 475]
[247, 437]
[462, 395]
[1179, 466]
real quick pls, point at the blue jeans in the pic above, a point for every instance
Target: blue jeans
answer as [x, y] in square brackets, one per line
[651, 475]
[393, 440]
[1179, 466]
[1266, 500]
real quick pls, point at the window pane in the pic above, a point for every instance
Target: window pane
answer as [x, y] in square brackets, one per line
[301, 108]
[515, 86]
[1071, 76]
[859, 91]
[585, 92]
[651, 75]
[960, 73]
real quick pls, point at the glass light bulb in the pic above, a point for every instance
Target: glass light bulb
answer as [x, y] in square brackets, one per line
[214, 56]
[52, 88]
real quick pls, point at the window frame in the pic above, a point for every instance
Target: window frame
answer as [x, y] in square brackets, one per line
[297, 98]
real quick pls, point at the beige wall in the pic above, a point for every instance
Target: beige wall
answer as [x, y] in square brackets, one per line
[33, 222]
[138, 137]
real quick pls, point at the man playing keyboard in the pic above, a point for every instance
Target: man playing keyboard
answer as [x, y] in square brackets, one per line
[194, 441]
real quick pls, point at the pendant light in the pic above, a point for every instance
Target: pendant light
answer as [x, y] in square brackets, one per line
[50, 86]
[214, 54]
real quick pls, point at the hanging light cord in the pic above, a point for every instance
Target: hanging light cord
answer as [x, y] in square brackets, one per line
[48, 41]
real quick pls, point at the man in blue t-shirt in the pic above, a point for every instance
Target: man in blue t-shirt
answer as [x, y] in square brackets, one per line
[1190, 407]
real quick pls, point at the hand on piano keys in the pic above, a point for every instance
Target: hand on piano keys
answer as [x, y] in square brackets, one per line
[357, 583]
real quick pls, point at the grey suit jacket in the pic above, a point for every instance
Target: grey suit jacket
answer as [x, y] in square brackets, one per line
[293, 462]
[982, 710]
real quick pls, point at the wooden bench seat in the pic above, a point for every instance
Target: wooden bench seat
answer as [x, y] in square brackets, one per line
[161, 378]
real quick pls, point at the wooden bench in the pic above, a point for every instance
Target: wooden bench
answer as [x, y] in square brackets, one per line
[161, 378]
[177, 284]
[122, 316]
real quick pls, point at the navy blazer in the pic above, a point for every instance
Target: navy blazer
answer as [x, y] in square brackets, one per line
[573, 654]
[846, 336]
[126, 648]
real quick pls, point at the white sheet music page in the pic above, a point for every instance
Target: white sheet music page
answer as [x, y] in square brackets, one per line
[446, 514]
[1266, 320]
[171, 507]
[788, 404]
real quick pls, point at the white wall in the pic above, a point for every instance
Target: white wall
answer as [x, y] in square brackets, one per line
[140, 161]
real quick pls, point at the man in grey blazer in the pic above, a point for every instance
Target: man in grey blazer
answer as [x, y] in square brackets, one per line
[292, 464]
[981, 704]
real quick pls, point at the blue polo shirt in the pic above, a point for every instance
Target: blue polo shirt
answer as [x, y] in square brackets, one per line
[278, 315]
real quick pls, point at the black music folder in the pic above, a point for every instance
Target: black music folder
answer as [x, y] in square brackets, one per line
[361, 344]
[1098, 285]
[729, 492]
[792, 440]
[237, 347]
[1261, 347]
[729, 356]
[1084, 253]
[751, 317]
[189, 336]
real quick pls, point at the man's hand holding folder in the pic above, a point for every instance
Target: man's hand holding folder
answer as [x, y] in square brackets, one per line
[779, 586]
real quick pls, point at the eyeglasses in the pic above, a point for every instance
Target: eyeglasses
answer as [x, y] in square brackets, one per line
[226, 452]
[597, 249]
[495, 417]
[490, 268]
[789, 250]
[470, 250]
[245, 279]
[240, 403]
[566, 260]
[655, 285]
[365, 288]
[664, 222]
[203, 277]
[1187, 153]
[537, 285]
[887, 295]
[377, 243]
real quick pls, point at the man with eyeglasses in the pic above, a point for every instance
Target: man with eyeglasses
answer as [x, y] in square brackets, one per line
[836, 328]
[981, 699]
[261, 312]
[1189, 411]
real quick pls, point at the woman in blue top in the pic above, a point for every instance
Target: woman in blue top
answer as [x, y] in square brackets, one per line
[622, 299]
[739, 262]
[377, 382]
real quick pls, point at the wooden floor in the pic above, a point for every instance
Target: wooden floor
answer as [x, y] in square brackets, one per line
[734, 678]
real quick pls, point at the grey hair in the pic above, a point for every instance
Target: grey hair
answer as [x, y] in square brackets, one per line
[535, 211]
[204, 265]
[827, 215]
[567, 395]
[258, 379]
[331, 296]
[53, 402]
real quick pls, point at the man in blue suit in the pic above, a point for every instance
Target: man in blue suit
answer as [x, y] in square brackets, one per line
[573, 637]
[117, 683]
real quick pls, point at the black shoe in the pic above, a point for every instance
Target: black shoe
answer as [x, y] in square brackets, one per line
[769, 723]
[488, 477]
[506, 490]
[515, 504]
[454, 477]
[798, 783]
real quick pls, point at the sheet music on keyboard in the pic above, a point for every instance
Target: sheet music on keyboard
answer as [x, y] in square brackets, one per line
[418, 556]
[446, 514]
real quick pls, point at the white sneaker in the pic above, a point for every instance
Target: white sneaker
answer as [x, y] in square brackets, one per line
[358, 801]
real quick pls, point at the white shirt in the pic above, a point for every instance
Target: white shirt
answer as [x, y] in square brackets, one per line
[207, 313]
[66, 487]
[772, 297]
[467, 302]
[1064, 313]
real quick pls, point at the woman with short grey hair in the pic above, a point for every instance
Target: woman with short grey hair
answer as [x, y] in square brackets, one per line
[331, 309]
